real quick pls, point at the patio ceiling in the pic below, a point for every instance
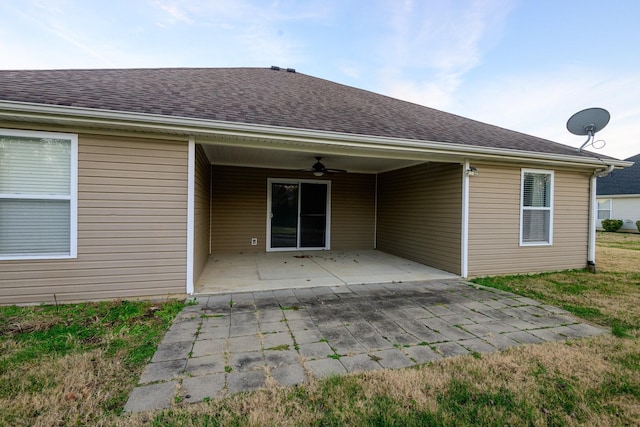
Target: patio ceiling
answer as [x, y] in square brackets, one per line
[294, 160]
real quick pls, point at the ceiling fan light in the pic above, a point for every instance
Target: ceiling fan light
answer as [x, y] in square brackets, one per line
[318, 173]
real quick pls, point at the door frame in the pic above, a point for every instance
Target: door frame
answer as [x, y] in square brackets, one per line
[327, 242]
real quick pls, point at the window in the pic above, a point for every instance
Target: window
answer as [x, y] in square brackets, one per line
[38, 195]
[604, 209]
[536, 207]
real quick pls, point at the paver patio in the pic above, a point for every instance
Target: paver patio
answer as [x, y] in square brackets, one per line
[228, 343]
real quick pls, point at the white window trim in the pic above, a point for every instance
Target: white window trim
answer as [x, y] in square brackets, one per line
[598, 208]
[73, 194]
[550, 208]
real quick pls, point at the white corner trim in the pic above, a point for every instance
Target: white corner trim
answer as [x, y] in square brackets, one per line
[464, 256]
[190, 212]
[375, 216]
[73, 229]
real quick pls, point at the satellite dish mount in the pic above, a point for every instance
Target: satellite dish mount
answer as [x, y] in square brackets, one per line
[588, 122]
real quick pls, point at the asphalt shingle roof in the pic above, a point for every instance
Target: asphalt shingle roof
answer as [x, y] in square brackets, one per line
[624, 181]
[260, 96]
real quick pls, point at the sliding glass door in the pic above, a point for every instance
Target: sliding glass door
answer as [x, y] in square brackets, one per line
[298, 215]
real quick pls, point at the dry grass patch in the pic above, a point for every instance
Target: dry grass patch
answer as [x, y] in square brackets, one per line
[617, 260]
[618, 252]
[71, 390]
[629, 241]
[75, 364]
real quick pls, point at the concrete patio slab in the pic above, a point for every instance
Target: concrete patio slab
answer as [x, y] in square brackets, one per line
[151, 397]
[162, 371]
[360, 362]
[323, 368]
[205, 365]
[392, 358]
[296, 269]
[421, 354]
[229, 343]
[316, 350]
[196, 389]
[289, 375]
[245, 381]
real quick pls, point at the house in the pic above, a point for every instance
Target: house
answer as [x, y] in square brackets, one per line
[120, 183]
[619, 195]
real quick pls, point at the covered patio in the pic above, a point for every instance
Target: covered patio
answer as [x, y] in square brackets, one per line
[243, 272]
[261, 222]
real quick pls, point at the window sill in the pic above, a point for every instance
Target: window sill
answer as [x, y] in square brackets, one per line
[36, 257]
[536, 244]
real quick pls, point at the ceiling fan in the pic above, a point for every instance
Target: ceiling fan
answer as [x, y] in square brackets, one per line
[319, 169]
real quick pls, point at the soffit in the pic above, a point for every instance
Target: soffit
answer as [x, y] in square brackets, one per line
[294, 160]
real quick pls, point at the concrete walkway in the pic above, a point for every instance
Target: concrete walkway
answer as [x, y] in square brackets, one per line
[231, 343]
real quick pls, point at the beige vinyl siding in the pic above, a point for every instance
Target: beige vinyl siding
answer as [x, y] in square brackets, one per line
[239, 208]
[132, 215]
[202, 220]
[494, 222]
[420, 214]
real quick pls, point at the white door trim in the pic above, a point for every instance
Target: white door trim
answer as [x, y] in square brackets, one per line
[270, 181]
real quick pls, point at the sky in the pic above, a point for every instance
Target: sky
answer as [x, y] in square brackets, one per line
[526, 65]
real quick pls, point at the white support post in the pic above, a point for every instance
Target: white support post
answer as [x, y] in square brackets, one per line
[191, 171]
[464, 244]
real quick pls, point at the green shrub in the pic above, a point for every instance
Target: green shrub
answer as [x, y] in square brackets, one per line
[612, 224]
[638, 225]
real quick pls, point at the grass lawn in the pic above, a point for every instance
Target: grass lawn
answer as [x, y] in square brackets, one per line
[76, 364]
[618, 252]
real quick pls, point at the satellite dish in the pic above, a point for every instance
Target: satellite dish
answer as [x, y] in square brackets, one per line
[588, 122]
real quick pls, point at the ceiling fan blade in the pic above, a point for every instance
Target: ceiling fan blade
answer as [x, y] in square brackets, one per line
[320, 169]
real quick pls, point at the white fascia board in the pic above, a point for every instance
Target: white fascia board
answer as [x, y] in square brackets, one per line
[618, 196]
[200, 127]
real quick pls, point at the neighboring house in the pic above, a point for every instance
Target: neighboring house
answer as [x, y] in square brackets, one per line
[121, 183]
[619, 195]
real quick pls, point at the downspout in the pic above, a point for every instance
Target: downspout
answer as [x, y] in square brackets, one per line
[593, 215]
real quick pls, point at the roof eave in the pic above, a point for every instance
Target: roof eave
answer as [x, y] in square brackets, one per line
[620, 196]
[122, 120]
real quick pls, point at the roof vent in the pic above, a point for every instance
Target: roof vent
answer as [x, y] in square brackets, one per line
[289, 70]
